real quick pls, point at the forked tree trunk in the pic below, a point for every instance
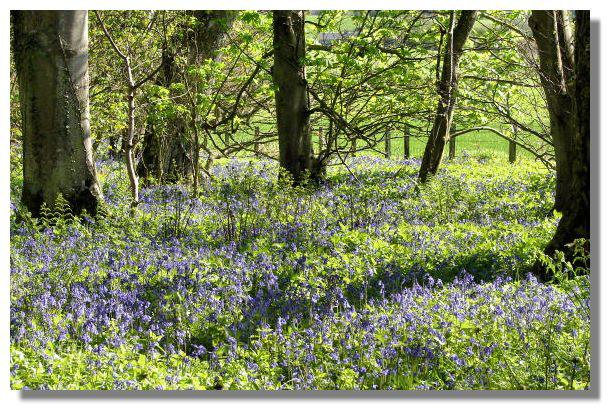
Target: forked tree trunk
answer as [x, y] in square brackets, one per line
[291, 93]
[51, 59]
[575, 221]
[554, 57]
[447, 90]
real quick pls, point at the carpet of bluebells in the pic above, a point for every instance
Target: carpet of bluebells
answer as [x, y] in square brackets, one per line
[366, 282]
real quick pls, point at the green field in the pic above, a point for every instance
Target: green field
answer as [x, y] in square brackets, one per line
[476, 143]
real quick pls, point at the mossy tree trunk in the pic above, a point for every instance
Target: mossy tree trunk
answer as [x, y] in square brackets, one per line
[51, 60]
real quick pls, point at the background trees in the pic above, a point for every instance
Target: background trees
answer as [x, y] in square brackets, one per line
[181, 89]
[370, 75]
[369, 83]
[51, 61]
[500, 85]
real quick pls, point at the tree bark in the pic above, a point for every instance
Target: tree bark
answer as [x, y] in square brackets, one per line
[575, 221]
[447, 90]
[556, 81]
[291, 93]
[51, 60]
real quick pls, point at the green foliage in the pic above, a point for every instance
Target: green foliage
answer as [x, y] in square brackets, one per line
[361, 284]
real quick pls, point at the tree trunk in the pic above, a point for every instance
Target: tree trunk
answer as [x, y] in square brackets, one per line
[451, 148]
[51, 59]
[167, 155]
[291, 95]
[575, 221]
[556, 81]
[196, 162]
[129, 144]
[208, 36]
[447, 90]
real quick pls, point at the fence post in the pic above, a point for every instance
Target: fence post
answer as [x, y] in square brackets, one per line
[227, 143]
[407, 142]
[387, 144]
[256, 143]
[512, 146]
[512, 151]
[451, 144]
